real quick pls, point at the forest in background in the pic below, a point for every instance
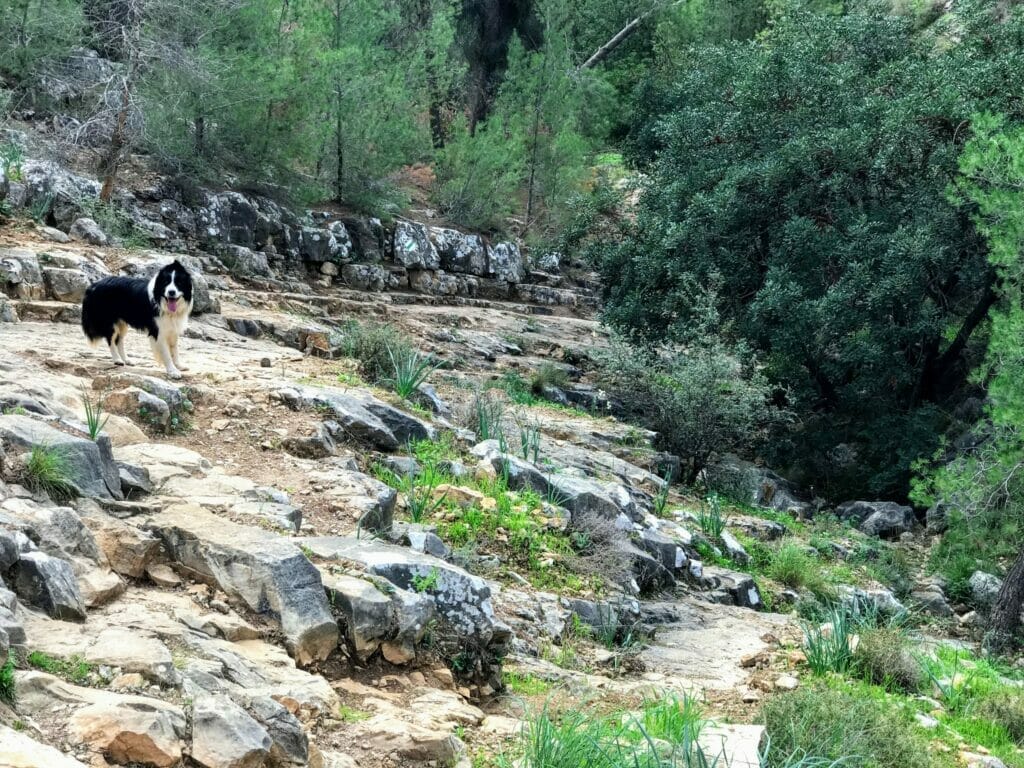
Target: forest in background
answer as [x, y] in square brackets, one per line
[822, 268]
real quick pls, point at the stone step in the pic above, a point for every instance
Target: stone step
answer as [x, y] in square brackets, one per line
[48, 311]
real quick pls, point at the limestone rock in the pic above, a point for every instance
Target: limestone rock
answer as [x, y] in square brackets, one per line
[19, 750]
[89, 231]
[49, 583]
[65, 284]
[90, 464]
[984, 588]
[132, 731]
[225, 736]
[270, 575]
[413, 248]
[505, 262]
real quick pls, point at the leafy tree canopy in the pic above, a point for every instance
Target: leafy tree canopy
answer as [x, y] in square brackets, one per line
[806, 175]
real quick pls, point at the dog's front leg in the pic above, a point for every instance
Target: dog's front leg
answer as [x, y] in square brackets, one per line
[163, 355]
[173, 344]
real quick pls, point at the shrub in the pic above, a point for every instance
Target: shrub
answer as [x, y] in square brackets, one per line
[702, 399]
[600, 548]
[883, 658]
[1006, 707]
[47, 471]
[374, 345]
[845, 723]
[8, 690]
[793, 566]
[548, 375]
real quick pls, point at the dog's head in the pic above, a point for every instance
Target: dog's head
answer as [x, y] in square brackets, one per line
[171, 289]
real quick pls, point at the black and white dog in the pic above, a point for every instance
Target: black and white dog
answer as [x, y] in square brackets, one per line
[160, 307]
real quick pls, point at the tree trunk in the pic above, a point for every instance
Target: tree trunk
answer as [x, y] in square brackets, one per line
[1005, 620]
[622, 35]
[111, 162]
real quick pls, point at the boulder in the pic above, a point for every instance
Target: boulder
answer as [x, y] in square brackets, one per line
[885, 519]
[20, 275]
[462, 601]
[459, 252]
[937, 518]
[364, 498]
[270, 575]
[549, 261]
[984, 588]
[505, 262]
[244, 261]
[289, 743]
[132, 731]
[365, 277]
[413, 248]
[756, 485]
[65, 284]
[733, 549]
[88, 231]
[91, 470]
[372, 617]
[225, 736]
[48, 583]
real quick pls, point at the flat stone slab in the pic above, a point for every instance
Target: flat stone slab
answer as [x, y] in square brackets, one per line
[266, 571]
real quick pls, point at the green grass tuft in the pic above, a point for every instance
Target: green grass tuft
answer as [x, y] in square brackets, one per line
[47, 471]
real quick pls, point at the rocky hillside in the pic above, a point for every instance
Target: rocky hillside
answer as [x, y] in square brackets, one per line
[281, 560]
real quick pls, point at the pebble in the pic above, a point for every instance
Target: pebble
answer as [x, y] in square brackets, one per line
[786, 683]
[265, 362]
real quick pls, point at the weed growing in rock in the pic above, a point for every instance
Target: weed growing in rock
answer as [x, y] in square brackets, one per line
[548, 375]
[529, 440]
[410, 369]
[348, 714]
[419, 492]
[8, 690]
[373, 345]
[47, 471]
[884, 658]
[95, 419]
[792, 565]
[712, 521]
[426, 583]
[75, 669]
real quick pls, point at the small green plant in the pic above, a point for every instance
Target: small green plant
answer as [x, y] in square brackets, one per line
[548, 375]
[955, 687]
[8, 690]
[306, 551]
[349, 714]
[525, 684]
[712, 521]
[410, 369]
[11, 157]
[422, 583]
[829, 646]
[47, 471]
[74, 669]
[40, 207]
[529, 440]
[677, 720]
[373, 346]
[487, 415]
[95, 419]
[418, 492]
[661, 497]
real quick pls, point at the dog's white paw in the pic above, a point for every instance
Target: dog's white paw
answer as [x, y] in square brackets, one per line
[175, 374]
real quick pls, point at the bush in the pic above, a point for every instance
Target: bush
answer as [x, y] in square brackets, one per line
[793, 566]
[703, 399]
[883, 658]
[845, 724]
[374, 345]
[601, 549]
[1006, 707]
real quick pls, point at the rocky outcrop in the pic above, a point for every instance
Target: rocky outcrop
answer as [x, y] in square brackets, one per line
[885, 519]
[756, 485]
[267, 573]
[462, 601]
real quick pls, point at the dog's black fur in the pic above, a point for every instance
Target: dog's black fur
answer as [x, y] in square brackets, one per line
[114, 303]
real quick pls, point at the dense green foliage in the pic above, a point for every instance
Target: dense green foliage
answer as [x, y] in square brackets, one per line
[805, 175]
[982, 483]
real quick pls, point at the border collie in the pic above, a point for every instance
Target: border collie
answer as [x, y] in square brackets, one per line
[159, 307]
